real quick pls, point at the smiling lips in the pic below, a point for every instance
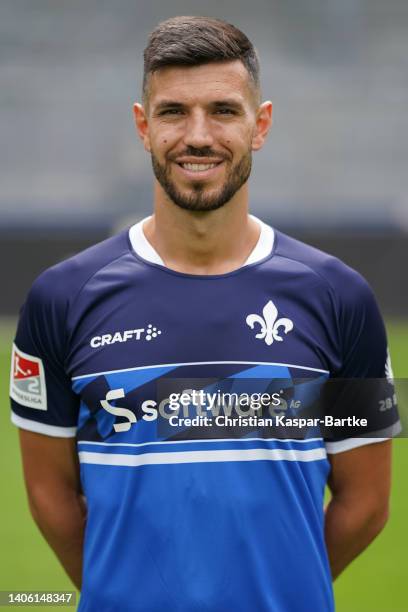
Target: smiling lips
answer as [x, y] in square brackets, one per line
[190, 165]
[198, 167]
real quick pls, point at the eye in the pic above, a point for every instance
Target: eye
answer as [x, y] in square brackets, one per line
[225, 111]
[170, 111]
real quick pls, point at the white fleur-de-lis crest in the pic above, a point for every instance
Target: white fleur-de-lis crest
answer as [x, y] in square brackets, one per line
[269, 324]
[388, 369]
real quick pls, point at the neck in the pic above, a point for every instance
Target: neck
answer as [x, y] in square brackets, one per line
[214, 242]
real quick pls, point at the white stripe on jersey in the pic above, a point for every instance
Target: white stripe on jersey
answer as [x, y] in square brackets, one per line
[250, 454]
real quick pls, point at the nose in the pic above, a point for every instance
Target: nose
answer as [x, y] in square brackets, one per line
[198, 131]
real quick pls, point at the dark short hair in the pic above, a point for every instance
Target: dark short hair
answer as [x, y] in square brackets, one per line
[191, 41]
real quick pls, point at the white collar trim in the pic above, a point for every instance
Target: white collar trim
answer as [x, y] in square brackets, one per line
[144, 249]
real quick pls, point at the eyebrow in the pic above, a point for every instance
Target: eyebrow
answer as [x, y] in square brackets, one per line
[165, 104]
[168, 104]
[227, 102]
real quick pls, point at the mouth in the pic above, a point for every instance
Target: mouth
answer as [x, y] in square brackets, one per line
[199, 170]
[198, 167]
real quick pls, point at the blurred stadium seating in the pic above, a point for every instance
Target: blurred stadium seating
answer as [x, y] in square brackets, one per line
[333, 171]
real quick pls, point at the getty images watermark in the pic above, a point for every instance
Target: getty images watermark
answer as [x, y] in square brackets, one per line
[217, 409]
[281, 407]
[37, 598]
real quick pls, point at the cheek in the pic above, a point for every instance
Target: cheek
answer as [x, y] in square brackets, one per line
[160, 145]
[163, 142]
[237, 139]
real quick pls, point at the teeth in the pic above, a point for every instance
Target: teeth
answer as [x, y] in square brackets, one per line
[198, 167]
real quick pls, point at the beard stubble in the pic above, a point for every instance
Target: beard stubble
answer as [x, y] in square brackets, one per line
[199, 197]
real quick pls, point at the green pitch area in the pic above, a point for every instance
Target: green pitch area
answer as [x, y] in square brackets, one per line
[375, 582]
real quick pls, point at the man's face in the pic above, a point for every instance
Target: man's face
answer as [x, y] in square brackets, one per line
[200, 124]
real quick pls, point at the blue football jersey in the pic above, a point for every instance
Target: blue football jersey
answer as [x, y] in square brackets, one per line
[189, 507]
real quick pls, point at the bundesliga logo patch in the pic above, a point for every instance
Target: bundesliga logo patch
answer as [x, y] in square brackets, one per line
[27, 381]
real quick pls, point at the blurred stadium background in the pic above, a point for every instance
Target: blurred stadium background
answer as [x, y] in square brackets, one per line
[334, 173]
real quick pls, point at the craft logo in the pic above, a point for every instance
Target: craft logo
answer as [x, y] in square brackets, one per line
[27, 382]
[148, 334]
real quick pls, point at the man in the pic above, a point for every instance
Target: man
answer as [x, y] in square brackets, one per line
[222, 517]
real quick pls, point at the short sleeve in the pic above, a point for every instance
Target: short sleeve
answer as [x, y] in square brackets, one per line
[42, 399]
[362, 387]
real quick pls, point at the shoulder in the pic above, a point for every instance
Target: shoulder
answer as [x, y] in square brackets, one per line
[62, 281]
[344, 282]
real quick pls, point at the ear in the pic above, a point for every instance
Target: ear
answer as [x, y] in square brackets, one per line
[263, 124]
[142, 124]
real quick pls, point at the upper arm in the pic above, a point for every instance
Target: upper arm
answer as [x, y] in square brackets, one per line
[42, 398]
[362, 475]
[50, 466]
[362, 382]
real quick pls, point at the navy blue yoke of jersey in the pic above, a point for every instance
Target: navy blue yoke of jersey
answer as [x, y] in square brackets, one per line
[182, 518]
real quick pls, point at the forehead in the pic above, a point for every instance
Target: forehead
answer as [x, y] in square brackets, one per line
[190, 84]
